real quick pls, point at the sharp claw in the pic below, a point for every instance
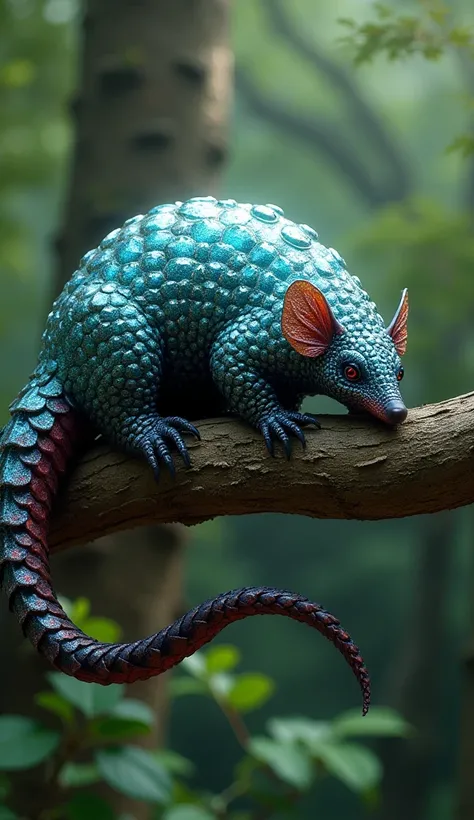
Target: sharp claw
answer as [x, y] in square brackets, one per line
[278, 430]
[184, 426]
[161, 449]
[159, 437]
[308, 418]
[268, 439]
[185, 456]
[172, 433]
[168, 460]
[300, 436]
[178, 442]
[280, 423]
[193, 430]
[152, 461]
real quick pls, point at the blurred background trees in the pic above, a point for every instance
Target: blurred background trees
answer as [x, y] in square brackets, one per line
[358, 150]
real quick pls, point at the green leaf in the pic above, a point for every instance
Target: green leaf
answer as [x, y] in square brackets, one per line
[84, 806]
[245, 768]
[5, 787]
[250, 691]
[102, 629]
[461, 36]
[222, 658]
[24, 743]
[7, 814]
[174, 762]
[309, 732]
[66, 604]
[90, 698]
[195, 665]
[291, 763]
[134, 772]
[355, 765]
[56, 704]
[78, 774]
[464, 143]
[182, 793]
[188, 812]
[179, 686]
[17, 73]
[137, 710]
[379, 722]
[221, 684]
[127, 719]
[116, 728]
[242, 815]
[79, 610]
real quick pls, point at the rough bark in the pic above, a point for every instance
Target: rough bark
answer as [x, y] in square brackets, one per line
[151, 119]
[352, 468]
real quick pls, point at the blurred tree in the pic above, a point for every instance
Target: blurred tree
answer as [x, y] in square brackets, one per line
[379, 177]
[427, 251]
[151, 125]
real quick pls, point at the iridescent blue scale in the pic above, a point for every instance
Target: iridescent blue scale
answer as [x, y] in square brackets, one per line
[182, 308]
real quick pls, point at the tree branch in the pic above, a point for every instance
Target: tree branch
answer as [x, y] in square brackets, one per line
[364, 116]
[352, 468]
[320, 136]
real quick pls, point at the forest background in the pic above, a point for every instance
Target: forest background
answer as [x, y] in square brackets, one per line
[375, 156]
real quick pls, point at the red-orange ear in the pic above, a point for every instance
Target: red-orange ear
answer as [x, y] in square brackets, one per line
[307, 322]
[397, 328]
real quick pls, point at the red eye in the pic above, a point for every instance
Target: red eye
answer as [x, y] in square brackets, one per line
[352, 373]
[400, 374]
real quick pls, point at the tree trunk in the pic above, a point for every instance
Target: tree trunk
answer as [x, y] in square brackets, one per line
[465, 792]
[151, 115]
[416, 680]
[151, 126]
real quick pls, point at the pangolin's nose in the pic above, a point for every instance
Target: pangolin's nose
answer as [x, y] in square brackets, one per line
[396, 412]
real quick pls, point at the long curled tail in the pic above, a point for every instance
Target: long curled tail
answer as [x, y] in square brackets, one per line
[35, 447]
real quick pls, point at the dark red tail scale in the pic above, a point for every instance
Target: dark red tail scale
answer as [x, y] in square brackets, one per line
[34, 450]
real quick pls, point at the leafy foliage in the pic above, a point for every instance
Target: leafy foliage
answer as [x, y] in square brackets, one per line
[98, 727]
[134, 772]
[428, 32]
[24, 743]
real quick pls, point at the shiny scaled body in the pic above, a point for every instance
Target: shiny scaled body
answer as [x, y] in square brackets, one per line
[194, 309]
[191, 296]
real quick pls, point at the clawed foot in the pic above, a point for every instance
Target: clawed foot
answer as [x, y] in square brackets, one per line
[276, 426]
[161, 433]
